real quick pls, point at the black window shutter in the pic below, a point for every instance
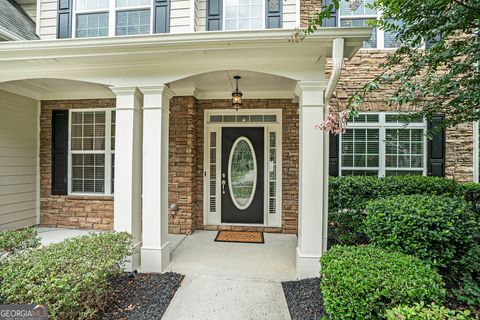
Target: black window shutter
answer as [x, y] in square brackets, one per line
[214, 15]
[332, 21]
[64, 19]
[162, 16]
[436, 148]
[333, 154]
[273, 14]
[59, 152]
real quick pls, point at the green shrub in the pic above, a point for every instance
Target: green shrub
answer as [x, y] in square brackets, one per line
[13, 241]
[421, 312]
[348, 197]
[471, 193]
[361, 282]
[439, 229]
[71, 277]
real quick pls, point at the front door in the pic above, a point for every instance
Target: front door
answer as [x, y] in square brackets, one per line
[242, 175]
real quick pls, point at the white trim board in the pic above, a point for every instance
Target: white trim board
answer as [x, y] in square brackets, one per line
[214, 217]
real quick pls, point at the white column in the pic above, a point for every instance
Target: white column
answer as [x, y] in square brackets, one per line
[313, 178]
[156, 248]
[128, 168]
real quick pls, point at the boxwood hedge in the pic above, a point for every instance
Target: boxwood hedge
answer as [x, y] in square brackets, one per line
[438, 229]
[422, 312]
[71, 277]
[361, 282]
[348, 197]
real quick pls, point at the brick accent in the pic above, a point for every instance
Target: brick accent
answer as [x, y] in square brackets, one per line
[69, 211]
[459, 153]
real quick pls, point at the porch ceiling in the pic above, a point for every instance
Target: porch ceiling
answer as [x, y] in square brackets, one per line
[158, 59]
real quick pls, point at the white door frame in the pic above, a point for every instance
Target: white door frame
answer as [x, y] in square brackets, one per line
[212, 205]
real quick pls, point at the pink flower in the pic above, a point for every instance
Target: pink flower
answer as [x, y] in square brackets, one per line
[335, 123]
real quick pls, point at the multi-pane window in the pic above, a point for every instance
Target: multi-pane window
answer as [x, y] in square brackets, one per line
[359, 17]
[91, 151]
[98, 18]
[244, 14]
[91, 18]
[379, 144]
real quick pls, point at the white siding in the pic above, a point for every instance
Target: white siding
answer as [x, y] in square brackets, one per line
[48, 19]
[30, 7]
[200, 15]
[289, 14]
[18, 161]
[180, 16]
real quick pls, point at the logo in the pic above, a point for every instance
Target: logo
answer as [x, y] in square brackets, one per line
[23, 312]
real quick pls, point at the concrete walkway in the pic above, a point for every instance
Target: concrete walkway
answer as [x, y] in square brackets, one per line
[232, 280]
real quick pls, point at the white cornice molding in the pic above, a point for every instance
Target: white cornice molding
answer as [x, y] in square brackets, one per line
[162, 89]
[72, 48]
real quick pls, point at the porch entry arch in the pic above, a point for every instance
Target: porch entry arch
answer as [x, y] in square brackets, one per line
[260, 133]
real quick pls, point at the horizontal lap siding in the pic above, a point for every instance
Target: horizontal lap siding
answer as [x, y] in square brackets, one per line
[180, 16]
[200, 15]
[48, 19]
[18, 161]
[289, 14]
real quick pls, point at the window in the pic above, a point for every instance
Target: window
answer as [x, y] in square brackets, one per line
[379, 144]
[358, 18]
[99, 18]
[244, 14]
[91, 151]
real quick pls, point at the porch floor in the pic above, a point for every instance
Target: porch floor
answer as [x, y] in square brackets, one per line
[200, 255]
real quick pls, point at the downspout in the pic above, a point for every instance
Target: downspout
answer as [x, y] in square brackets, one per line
[337, 62]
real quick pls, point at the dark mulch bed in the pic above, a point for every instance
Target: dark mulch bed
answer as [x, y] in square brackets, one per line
[142, 296]
[304, 299]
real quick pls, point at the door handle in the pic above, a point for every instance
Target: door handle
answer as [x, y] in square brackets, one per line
[223, 186]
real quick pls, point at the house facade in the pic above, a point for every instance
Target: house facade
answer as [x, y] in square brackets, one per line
[121, 118]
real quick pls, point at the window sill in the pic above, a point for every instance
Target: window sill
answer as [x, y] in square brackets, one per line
[100, 197]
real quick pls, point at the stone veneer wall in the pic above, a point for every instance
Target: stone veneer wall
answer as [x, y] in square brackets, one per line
[84, 212]
[183, 164]
[364, 66]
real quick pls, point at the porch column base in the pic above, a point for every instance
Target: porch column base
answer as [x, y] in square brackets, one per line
[155, 259]
[308, 266]
[133, 261]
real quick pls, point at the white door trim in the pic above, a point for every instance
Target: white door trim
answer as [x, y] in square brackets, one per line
[213, 217]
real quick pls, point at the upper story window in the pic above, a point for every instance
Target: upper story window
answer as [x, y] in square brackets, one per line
[358, 18]
[378, 144]
[244, 14]
[97, 18]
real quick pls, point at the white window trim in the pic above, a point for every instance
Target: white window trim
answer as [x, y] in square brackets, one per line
[476, 150]
[382, 125]
[107, 152]
[112, 16]
[214, 218]
[224, 18]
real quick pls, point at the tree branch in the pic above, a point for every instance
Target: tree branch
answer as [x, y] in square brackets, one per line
[467, 5]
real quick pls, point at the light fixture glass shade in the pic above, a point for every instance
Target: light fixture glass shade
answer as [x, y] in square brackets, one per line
[237, 98]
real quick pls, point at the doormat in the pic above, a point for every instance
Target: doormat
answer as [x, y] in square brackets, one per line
[239, 236]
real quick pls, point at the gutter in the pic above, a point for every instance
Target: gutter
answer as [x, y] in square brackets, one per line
[337, 62]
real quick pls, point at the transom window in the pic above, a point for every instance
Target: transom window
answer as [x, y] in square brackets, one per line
[379, 144]
[91, 151]
[244, 14]
[358, 18]
[99, 18]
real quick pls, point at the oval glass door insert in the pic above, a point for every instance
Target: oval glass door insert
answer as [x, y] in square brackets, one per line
[242, 173]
